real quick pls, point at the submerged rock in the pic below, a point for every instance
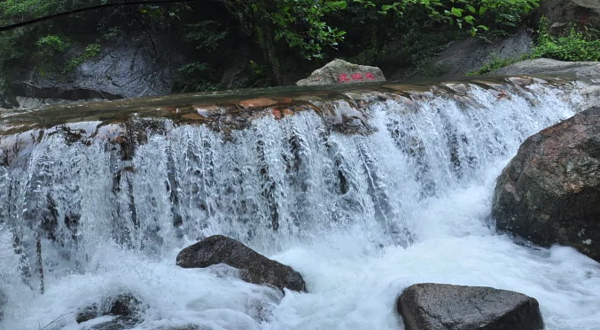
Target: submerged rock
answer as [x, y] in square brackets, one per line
[259, 102]
[125, 307]
[254, 267]
[452, 307]
[185, 327]
[342, 72]
[550, 191]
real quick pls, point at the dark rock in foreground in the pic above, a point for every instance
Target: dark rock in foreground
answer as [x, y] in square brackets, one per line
[254, 267]
[550, 191]
[452, 307]
[125, 307]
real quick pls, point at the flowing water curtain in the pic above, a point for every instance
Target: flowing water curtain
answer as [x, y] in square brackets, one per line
[272, 184]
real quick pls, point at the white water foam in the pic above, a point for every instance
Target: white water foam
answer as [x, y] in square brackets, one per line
[413, 207]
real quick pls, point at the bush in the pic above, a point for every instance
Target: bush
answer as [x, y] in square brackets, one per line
[576, 45]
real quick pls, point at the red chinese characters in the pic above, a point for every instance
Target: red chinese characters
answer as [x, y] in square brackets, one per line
[345, 77]
[369, 75]
[357, 76]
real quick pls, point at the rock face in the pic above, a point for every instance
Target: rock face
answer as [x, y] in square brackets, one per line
[125, 307]
[123, 69]
[550, 191]
[254, 268]
[451, 307]
[587, 71]
[562, 13]
[342, 72]
[472, 53]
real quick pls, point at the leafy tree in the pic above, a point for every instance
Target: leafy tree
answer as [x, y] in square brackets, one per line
[285, 32]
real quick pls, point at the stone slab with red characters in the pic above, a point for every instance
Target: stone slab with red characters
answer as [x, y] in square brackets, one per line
[342, 72]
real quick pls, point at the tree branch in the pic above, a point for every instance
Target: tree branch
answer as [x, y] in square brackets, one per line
[84, 9]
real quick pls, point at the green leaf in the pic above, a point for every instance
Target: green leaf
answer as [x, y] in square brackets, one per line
[386, 7]
[456, 11]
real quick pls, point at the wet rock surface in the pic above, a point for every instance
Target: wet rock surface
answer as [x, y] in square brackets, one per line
[254, 267]
[452, 307]
[550, 191]
[467, 55]
[342, 72]
[185, 327]
[563, 13]
[123, 69]
[586, 71]
[124, 307]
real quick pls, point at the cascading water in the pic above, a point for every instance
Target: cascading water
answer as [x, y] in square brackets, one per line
[361, 216]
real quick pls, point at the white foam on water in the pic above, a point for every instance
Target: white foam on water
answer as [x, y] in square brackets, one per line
[360, 217]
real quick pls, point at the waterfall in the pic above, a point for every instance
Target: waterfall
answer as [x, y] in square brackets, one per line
[282, 186]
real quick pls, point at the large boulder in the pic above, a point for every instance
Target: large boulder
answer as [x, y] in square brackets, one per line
[431, 306]
[470, 54]
[550, 191]
[254, 267]
[586, 71]
[342, 72]
[563, 13]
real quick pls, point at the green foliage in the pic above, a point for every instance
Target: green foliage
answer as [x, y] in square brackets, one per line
[279, 36]
[206, 35]
[494, 17]
[259, 76]
[497, 63]
[91, 50]
[20, 10]
[52, 45]
[48, 49]
[298, 23]
[195, 77]
[574, 46]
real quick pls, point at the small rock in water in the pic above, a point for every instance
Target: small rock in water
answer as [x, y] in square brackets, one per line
[431, 306]
[125, 307]
[185, 327]
[254, 267]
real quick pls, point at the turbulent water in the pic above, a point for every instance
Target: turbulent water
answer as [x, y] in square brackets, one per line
[361, 217]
